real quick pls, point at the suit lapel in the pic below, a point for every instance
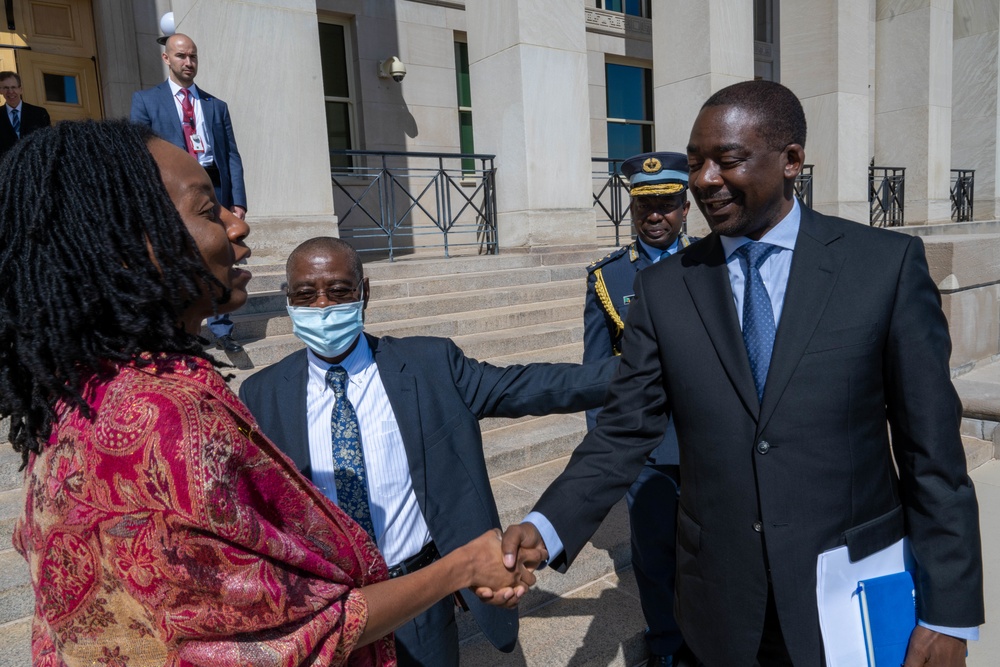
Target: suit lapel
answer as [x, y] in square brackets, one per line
[297, 436]
[401, 389]
[708, 283]
[814, 271]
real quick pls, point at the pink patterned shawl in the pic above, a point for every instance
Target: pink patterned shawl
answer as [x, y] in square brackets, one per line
[169, 531]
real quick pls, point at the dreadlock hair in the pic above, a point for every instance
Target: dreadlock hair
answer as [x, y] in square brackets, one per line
[780, 118]
[83, 214]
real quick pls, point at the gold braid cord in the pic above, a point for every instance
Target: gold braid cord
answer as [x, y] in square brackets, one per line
[609, 307]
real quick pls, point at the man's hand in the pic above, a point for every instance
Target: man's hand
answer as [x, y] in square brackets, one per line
[240, 212]
[933, 649]
[524, 550]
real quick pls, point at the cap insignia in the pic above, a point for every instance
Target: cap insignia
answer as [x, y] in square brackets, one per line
[651, 166]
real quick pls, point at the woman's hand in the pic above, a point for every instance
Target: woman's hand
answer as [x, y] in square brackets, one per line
[484, 562]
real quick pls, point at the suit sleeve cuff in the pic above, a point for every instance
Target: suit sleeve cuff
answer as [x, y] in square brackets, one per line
[969, 634]
[552, 542]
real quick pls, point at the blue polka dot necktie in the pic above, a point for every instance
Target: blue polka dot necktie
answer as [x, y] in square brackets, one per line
[348, 458]
[15, 121]
[758, 317]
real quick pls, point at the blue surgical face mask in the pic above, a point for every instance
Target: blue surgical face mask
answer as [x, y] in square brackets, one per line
[330, 331]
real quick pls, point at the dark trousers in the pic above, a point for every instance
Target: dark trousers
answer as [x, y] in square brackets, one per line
[430, 639]
[652, 508]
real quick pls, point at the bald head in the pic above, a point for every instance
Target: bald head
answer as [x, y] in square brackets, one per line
[181, 56]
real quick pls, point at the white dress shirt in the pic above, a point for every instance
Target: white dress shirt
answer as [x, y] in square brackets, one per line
[400, 529]
[207, 157]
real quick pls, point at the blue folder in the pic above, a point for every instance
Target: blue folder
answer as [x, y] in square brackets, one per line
[888, 616]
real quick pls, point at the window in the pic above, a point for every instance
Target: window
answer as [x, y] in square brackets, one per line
[630, 7]
[333, 49]
[765, 46]
[630, 110]
[465, 142]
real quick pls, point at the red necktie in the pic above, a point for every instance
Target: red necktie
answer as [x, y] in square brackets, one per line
[187, 124]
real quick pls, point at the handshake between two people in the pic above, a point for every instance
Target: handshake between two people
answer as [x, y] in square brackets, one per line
[503, 567]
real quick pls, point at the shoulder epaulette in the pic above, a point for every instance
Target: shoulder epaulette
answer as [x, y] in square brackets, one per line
[613, 255]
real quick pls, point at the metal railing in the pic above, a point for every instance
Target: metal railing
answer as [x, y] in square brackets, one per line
[392, 202]
[611, 200]
[804, 185]
[886, 196]
[963, 183]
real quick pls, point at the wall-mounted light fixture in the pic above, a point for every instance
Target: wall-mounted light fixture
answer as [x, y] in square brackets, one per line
[167, 27]
[391, 68]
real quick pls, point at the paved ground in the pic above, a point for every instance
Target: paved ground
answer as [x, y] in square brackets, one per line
[986, 652]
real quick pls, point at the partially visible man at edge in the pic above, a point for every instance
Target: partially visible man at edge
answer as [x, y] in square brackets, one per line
[806, 335]
[658, 206]
[18, 118]
[194, 120]
[409, 465]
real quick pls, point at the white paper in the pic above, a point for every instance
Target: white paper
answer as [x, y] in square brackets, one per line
[837, 599]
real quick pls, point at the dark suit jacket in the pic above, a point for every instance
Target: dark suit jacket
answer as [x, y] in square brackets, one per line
[32, 118]
[862, 342]
[157, 109]
[438, 396]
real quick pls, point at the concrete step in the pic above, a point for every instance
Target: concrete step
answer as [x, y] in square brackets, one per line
[11, 509]
[15, 643]
[443, 284]
[16, 597]
[483, 345]
[494, 320]
[268, 316]
[11, 477]
[532, 441]
[599, 624]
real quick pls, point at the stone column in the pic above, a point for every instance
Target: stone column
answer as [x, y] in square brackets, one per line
[975, 113]
[913, 75]
[284, 148]
[698, 48]
[824, 60]
[528, 70]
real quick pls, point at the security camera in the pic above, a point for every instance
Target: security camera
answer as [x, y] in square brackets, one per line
[393, 67]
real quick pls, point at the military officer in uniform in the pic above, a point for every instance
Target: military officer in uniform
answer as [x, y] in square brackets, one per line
[659, 207]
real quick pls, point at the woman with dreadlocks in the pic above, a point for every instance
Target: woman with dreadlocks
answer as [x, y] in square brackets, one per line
[160, 527]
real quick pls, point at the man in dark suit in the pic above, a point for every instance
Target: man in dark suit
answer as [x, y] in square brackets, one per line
[807, 340]
[18, 117]
[659, 207]
[198, 122]
[414, 441]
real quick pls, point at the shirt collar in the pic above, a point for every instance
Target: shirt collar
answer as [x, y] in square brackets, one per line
[174, 88]
[656, 254]
[17, 108]
[782, 235]
[355, 363]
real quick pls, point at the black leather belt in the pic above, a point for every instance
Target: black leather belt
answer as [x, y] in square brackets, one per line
[213, 173]
[427, 555]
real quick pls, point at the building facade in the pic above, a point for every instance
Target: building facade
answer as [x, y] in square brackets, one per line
[545, 87]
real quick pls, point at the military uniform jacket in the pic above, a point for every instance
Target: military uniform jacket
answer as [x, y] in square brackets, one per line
[609, 293]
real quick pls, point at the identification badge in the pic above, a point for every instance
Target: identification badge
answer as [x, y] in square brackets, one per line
[626, 300]
[197, 143]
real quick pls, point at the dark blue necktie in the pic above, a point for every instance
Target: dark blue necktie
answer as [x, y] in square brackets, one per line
[15, 121]
[758, 317]
[348, 458]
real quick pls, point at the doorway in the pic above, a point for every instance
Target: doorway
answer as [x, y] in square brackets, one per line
[52, 47]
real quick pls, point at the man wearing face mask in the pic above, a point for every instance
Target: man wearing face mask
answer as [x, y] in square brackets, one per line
[389, 429]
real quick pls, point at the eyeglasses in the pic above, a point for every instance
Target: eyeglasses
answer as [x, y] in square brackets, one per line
[5, 88]
[335, 294]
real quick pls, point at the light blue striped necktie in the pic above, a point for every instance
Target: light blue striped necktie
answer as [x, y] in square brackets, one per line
[15, 121]
[348, 457]
[758, 316]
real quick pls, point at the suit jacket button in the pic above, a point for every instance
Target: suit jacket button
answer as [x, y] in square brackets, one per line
[763, 446]
[757, 526]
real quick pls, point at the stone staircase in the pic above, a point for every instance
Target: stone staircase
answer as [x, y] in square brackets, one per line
[511, 308]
